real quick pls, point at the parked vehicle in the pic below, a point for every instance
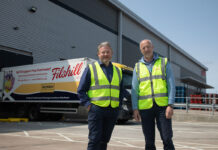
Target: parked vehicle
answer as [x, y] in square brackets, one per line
[47, 90]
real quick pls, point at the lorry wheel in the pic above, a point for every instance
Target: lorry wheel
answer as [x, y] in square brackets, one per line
[21, 113]
[34, 114]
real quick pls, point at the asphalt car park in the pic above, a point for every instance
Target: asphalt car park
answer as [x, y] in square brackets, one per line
[74, 136]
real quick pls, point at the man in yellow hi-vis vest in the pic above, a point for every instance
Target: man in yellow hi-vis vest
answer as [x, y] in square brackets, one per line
[153, 93]
[101, 90]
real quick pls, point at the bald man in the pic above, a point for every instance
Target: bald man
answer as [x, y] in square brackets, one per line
[153, 93]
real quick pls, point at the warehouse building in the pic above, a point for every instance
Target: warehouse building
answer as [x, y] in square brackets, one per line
[49, 30]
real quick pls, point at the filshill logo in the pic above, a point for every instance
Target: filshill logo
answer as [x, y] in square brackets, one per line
[62, 73]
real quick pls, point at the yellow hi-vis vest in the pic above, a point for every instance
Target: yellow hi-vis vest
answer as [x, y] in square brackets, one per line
[101, 92]
[152, 86]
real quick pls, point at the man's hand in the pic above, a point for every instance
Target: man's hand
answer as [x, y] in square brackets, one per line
[136, 115]
[89, 107]
[169, 112]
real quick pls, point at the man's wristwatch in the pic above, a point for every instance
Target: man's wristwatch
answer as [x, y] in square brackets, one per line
[171, 105]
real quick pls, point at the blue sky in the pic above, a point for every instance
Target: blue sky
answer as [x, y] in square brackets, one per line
[190, 24]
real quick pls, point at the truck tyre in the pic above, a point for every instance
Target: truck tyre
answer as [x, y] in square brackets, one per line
[33, 113]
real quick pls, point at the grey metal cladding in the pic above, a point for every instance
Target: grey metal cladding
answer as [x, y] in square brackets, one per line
[187, 73]
[100, 12]
[51, 33]
[131, 52]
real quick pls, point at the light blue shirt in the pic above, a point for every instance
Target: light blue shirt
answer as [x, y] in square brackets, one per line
[169, 78]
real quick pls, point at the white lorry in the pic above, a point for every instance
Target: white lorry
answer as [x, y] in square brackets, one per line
[47, 90]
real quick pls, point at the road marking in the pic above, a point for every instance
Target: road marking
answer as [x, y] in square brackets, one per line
[135, 139]
[181, 145]
[26, 133]
[46, 138]
[67, 138]
[63, 135]
[191, 143]
[130, 128]
[189, 147]
[200, 123]
[195, 132]
[74, 134]
[129, 145]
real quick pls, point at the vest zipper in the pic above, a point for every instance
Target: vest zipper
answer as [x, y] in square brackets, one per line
[110, 94]
[152, 88]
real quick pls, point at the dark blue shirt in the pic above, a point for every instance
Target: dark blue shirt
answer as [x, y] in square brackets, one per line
[85, 83]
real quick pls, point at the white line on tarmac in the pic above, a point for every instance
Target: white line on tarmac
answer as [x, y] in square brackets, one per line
[135, 139]
[39, 137]
[189, 147]
[78, 135]
[26, 133]
[63, 140]
[46, 138]
[123, 146]
[129, 145]
[196, 144]
[67, 138]
[191, 131]
[178, 145]
[195, 132]
[130, 128]
[201, 123]
[209, 147]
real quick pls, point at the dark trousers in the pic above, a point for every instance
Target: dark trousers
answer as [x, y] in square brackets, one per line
[164, 126]
[101, 123]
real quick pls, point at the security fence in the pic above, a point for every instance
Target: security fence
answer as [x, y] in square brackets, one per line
[197, 102]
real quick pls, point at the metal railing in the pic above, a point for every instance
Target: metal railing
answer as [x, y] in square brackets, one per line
[206, 103]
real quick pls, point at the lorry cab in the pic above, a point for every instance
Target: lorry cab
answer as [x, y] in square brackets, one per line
[126, 111]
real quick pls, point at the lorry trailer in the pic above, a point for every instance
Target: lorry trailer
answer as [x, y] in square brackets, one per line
[49, 90]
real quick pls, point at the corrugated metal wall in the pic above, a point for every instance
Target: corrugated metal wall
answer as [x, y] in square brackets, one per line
[71, 29]
[52, 32]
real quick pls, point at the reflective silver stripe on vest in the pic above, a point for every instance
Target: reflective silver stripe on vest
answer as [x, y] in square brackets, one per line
[153, 77]
[163, 68]
[96, 87]
[119, 75]
[155, 95]
[104, 98]
[138, 66]
[144, 79]
[95, 74]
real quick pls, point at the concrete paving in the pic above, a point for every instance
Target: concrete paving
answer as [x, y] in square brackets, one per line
[195, 115]
[188, 135]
